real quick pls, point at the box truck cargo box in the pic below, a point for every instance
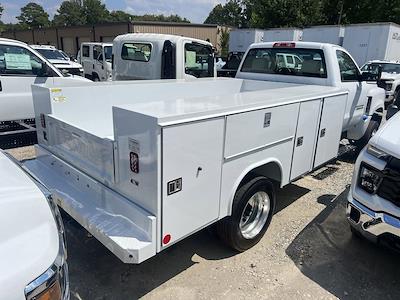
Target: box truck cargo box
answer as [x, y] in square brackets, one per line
[324, 34]
[379, 41]
[283, 34]
[241, 39]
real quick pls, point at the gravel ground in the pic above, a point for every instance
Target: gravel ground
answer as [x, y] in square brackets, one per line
[308, 252]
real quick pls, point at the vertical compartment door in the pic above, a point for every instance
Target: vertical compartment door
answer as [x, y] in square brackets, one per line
[306, 138]
[191, 162]
[330, 129]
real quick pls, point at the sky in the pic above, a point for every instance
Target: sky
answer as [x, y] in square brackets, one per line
[194, 10]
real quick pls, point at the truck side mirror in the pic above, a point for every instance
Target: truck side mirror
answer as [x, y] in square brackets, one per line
[379, 72]
[391, 111]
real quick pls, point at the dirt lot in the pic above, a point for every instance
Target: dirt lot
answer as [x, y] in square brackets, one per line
[308, 252]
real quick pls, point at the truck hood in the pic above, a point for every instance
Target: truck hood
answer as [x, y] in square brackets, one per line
[388, 138]
[29, 238]
[390, 76]
[59, 63]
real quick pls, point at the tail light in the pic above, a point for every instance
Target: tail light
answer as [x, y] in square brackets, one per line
[285, 45]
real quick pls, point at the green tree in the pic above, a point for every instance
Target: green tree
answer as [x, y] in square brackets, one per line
[224, 42]
[33, 16]
[231, 14]
[70, 13]
[95, 12]
[1, 10]
[120, 16]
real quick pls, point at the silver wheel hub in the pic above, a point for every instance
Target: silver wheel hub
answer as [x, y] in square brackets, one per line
[255, 215]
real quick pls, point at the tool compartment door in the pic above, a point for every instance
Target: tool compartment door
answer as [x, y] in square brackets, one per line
[306, 137]
[330, 129]
[191, 162]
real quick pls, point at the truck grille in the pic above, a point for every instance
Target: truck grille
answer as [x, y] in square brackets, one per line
[390, 185]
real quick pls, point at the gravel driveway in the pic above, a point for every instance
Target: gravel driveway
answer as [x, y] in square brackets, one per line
[308, 252]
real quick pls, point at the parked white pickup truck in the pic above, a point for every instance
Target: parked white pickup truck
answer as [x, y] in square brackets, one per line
[161, 56]
[152, 162]
[390, 78]
[373, 208]
[32, 242]
[20, 67]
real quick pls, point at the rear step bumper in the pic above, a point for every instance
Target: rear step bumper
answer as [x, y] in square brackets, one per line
[124, 228]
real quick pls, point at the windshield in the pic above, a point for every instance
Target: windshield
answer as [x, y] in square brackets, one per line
[387, 68]
[108, 53]
[52, 54]
[286, 61]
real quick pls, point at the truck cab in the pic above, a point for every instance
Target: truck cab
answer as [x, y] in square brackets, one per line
[321, 64]
[96, 60]
[161, 56]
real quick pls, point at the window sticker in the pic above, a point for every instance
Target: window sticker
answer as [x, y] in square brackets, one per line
[17, 61]
[190, 58]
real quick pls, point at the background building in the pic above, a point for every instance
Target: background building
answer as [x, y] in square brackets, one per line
[70, 38]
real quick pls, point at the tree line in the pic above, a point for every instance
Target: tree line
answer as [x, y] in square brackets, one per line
[302, 13]
[78, 12]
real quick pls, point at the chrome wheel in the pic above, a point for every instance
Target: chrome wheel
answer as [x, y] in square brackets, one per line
[255, 215]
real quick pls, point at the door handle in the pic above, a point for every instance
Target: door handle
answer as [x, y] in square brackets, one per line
[1, 86]
[299, 141]
[323, 131]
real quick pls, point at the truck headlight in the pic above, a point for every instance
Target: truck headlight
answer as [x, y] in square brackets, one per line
[53, 284]
[369, 179]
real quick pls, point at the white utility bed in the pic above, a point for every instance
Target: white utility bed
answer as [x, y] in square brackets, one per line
[142, 165]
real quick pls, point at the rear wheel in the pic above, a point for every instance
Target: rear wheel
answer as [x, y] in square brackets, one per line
[252, 211]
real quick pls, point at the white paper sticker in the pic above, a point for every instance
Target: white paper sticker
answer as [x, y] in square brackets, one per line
[17, 61]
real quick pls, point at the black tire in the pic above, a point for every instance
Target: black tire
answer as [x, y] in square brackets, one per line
[371, 130]
[355, 233]
[95, 77]
[228, 229]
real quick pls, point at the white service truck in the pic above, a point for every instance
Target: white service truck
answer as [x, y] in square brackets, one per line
[373, 208]
[149, 163]
[161, 56]
[96, 60]
[20, 67]
[32, 243]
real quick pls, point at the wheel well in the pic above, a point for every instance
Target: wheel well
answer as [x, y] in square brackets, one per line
[377, 116]
[270, 170]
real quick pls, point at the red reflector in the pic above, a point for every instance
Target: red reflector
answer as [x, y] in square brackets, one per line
[284, 45]
[166, 239]
[134, 162]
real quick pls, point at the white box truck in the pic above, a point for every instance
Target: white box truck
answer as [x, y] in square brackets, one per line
[377, 41]
[332, 34]
[241, 39]
[283, 34]
[151, 162]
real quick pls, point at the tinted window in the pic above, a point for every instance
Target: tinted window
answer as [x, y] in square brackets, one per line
[199, 60]
[386, 67]
[97, 52]
[348, 69]
[108, 53]
[136, 51]
[298, 62]
[52, 54]
[85, 51]
[16, 60]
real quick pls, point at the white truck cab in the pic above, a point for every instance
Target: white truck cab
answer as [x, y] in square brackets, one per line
[321, 64]
[59, 59]
[32, 243]
[161, 56]
[96, 60]
[390, 77]
[373, 208]
[20, 67]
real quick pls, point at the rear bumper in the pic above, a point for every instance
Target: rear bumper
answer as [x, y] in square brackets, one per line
[369, 223]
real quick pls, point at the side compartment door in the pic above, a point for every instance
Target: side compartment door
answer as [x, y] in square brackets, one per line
[330, 129]
[191, 162]
[306, 137]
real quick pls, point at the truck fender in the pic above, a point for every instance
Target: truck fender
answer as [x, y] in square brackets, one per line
[270, 168]
[377, 104]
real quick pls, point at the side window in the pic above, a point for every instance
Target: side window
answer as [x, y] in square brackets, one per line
[136, 51]
[199, 60]
[289, 59]
[85, 51]
[97, 52]
[15, 60]
[348, 69]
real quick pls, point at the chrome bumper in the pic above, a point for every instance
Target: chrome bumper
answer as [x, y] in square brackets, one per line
[369, 223]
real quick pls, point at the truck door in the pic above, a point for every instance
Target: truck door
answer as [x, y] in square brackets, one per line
[98, 64]
[357, 98]
[19, 69]
[86, 60]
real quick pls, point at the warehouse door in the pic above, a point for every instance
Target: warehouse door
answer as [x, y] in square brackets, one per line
[67, 45]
